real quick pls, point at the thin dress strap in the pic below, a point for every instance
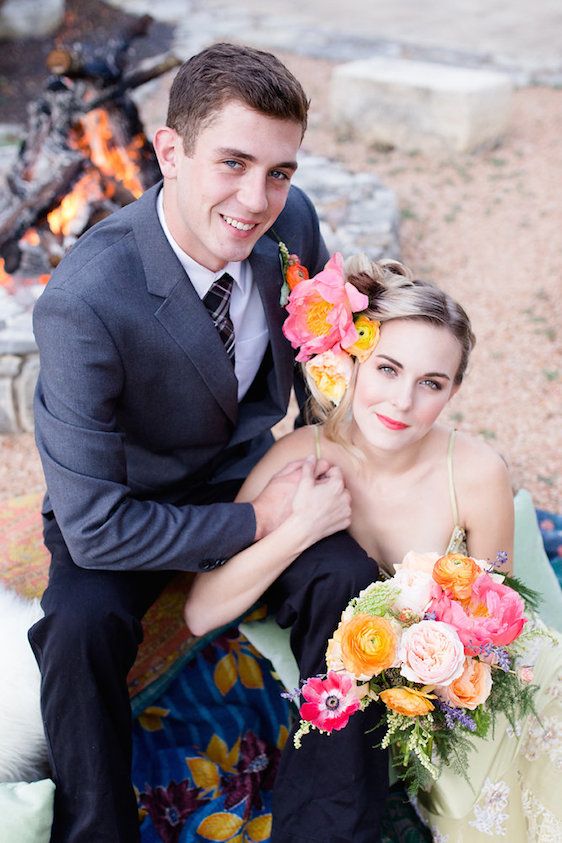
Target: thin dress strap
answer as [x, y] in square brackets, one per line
[452, 493]
[317, 443]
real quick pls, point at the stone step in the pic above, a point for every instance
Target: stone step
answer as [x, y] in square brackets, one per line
[419, 105]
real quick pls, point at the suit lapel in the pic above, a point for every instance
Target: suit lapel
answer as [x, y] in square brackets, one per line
[182, 313]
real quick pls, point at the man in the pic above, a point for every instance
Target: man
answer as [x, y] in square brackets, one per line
[163, 368]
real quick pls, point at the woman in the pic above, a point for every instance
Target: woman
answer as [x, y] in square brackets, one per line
[414, 484]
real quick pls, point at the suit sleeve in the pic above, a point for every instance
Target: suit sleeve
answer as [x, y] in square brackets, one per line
[83, 457]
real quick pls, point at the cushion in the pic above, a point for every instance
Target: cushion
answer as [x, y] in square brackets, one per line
[26, 809]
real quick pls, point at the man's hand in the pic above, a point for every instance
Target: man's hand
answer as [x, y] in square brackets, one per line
[313, 491]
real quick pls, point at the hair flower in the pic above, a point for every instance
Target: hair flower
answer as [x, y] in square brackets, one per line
[321, 311]
[368, 331]
[331, 372]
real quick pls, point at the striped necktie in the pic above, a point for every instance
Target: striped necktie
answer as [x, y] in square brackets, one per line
[217, 302]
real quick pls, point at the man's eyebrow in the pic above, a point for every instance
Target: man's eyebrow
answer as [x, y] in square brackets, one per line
[426, 375]
[246, 156]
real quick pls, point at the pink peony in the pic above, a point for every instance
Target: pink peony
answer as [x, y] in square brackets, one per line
[330, 702]
[431, 653]
[492, 615]
[321, 311]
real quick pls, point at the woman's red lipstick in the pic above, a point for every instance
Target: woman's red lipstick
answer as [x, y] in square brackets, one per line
[392, 424]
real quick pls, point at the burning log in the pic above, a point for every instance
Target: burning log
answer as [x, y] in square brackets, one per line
[85, 154]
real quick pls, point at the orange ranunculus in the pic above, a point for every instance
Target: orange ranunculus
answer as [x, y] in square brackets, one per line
[408, 701]
[455, 574]
[368, 645]
[369, 333]
[471, 688]
[296, 273]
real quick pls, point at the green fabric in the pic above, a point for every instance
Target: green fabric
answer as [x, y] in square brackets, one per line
[531, 564]
[26, 811]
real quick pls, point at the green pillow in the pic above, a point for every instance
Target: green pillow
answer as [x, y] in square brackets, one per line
[26, 811]
[531, 564]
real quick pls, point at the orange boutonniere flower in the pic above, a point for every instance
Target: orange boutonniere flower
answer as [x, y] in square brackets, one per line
[455, 574]
[296, 272]
[408, 701]
[368, 645]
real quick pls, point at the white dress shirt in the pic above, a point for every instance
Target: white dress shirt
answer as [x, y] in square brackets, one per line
[246, 309]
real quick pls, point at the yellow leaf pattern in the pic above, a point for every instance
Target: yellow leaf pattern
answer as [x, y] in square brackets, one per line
[217, 751]
[250, 671]
[257, 615]
[282, 737]
[205, 774]
[259, 829]
[226, 674]
[220, 826]
[151, 718]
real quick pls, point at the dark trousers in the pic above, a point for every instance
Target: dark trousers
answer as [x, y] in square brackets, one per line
[332, 789]
[85, 646]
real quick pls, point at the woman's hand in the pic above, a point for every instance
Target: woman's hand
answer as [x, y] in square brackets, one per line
[321, 504]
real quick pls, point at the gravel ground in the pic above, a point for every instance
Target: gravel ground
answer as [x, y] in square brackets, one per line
[486, 227]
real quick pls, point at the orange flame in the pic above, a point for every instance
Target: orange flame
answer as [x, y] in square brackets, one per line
[31, 236]
[97, 142]
[66, 218]
[5, 279]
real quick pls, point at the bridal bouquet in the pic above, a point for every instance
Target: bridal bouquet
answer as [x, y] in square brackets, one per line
[441, 645]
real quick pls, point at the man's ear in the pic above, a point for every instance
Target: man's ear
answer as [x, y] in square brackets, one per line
[167, 145]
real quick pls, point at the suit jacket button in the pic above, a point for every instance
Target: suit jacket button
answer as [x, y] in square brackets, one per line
[206, 565]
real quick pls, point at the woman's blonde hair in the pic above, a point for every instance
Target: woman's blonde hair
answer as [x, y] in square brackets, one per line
[393, 293]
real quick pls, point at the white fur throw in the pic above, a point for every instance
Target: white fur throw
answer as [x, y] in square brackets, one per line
[23, 750]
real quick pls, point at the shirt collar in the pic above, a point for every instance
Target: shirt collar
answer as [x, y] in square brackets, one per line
[201, 277]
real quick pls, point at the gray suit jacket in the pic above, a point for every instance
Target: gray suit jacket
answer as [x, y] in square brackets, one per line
[137, 417]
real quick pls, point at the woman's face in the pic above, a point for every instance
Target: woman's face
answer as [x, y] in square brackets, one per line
[404, 385]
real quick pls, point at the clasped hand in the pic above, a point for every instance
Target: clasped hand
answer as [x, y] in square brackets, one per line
[311, 494]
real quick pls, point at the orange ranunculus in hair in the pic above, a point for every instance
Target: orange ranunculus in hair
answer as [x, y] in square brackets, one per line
[455, 574]
[408, 701]
[368, 645]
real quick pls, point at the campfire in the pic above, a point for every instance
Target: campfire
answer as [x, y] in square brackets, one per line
[84, 156]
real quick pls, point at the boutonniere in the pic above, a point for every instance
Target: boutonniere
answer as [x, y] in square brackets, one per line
[292, 270]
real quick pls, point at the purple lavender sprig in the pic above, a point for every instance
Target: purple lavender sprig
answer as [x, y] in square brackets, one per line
[501, 559]
[499, 655]
[294, 695]
[456, 717]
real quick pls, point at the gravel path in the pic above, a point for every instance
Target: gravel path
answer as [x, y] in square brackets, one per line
[487, 228]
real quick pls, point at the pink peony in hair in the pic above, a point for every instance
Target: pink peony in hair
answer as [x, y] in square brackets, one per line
[321, 311]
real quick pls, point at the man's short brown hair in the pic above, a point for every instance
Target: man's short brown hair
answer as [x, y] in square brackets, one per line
[224, 72]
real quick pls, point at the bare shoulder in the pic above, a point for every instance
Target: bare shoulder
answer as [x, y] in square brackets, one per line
[477, 463]
[295, 446]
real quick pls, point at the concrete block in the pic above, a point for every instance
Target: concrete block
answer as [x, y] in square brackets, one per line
[10, 365]
[419, 105]
[30, 18]
[24, 387]
[8, 418]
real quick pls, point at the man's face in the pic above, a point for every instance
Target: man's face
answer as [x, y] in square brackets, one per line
[222, 198]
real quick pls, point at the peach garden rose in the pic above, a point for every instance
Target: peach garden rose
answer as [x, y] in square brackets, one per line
[471, 689]
[331, 372]
[431, 653]
[455, 574]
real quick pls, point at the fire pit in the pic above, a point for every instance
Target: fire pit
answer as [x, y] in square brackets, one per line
[85, 155]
